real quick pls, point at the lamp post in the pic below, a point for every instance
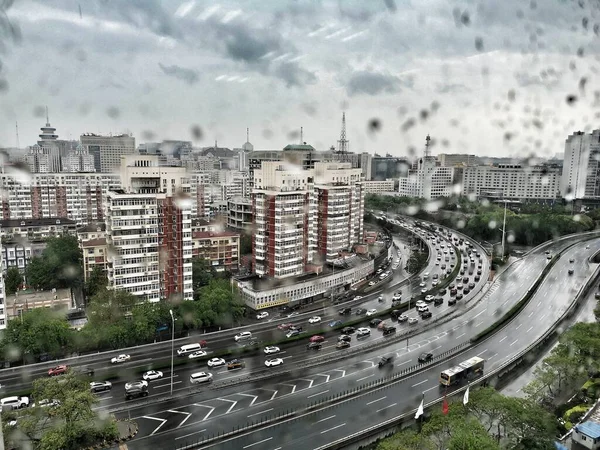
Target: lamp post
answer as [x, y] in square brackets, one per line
[172, 346]
[503, 231]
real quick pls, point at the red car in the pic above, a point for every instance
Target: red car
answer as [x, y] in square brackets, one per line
[285, 326]
[58, 370]
[203, 344]
[317, 339]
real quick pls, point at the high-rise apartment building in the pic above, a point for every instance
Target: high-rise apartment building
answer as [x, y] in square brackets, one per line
[107, 150]
[79, 160]
[428, 181]
[581, 166]
[304, 216]
[149, 231]
[2, 296]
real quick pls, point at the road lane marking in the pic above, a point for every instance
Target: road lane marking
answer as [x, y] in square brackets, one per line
[389, 406]
[259, 442]
[495, 354]
[334, 428]
[458, 337]
[261, 412]
[543, 317]
[405, 362]
[163, 421]
[324, 375]
[233, 403]
[529, 329]
[310, 381]
[481, 353]
[531, 314]
[209, 413]
[191, 434]
[327, 418]
[274, 394]
[166, 385]
[188, 415]
[364, 378]
[292, 385]
[502, 340]
[375, 401]
[432, 388]
[520, 325]
[420, 382]
[514, 342]
[340, 370]
[250, 395]
[314, 395]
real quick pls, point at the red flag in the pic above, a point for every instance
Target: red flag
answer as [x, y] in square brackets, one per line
[445, 406]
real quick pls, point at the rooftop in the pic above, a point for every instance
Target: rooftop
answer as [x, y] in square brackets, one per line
[98, 226]
[93, 242]
[299, 147]
[211, 234]
[589, 428]
[48, 221]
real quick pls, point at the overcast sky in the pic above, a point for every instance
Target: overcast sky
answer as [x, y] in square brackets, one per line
[510, 77]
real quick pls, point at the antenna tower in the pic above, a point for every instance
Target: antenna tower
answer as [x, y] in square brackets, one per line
[17, 129]
[427, 151]
[343, 142]
[301, 135]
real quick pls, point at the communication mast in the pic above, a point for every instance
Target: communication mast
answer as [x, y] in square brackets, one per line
[343, 142]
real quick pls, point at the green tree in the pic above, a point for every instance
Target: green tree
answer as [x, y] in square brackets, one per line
[96, 282]
[70, 424]
[110, 306]
[217, 305]
[246, 244]
[406, 440]
[60, 265]
[202, 274]
[13, 280]
[39, 331]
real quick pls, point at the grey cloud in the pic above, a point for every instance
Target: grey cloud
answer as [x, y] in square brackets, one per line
[190, 76]
[547, 78]
[294, 75]
[372, 83]
[243, 44]
[452, 88]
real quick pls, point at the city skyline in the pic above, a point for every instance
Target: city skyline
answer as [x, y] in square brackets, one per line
[486, 80]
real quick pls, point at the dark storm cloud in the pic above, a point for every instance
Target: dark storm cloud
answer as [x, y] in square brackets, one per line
[294, 75]
[190, 76]
[372, 83]
[244, 44]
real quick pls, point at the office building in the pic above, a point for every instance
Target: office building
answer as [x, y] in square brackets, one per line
[2, 295]
[581, 167]
[149, 231]
[79, 160]
[304, 217]
[239, 213]
[512, 182]
[387, 167]
[106, 151]
[378, 186]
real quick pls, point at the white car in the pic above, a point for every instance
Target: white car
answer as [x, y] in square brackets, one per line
[413, 320]
[198, 354]
[429, 298]
[120, 359]
[422, 308]
[314, 319]
[423, 291]
[270, 350]
[216, 362]
[136, 384]
[371, 312]
[201, 377]
[14, 402]
[152, 375]
[273, 362]
[420, 303]
[422, 285]
[262, 315]
[243, 335]
[363, 332]
[46, 403]
[435, 283]
[371, 283]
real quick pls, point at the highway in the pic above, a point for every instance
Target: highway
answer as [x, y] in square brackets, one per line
[179, 420]
[156, 356]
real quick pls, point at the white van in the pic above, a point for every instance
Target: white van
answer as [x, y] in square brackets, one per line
[243, 335]
[200, 377]
[190, 348]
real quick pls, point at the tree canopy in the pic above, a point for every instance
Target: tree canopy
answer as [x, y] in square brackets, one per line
[59, 266]
[13, 280]
[97, 281]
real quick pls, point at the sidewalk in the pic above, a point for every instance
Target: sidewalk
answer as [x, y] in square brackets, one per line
[127, 430]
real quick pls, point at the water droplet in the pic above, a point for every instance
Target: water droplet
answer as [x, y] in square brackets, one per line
[408, 124]
[582, 83]
[197, 134]
[511, 95]
[113, 112]
[571, 99]
[3, 85]
[580, 52]
[465, 18]
[479, 44]
[20, 172]
[267, 134]
[148, 135]
[39, 111]
[374, 125]
[424, 114]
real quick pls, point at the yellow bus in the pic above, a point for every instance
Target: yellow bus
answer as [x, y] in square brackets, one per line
[466, 370]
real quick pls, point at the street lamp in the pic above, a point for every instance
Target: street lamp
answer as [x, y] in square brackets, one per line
[503, 230]
[172, 346]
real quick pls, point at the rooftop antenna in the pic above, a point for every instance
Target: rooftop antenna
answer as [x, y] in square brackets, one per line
[301, 135]
[427, 151]
[247, 134]
[215, 144]
[47, 119]
[17, 130]
[343, 142]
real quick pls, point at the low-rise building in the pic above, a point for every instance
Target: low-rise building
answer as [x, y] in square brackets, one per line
[95, 230]
[33, 229]
[24, 301]
[378, 186]
[587, 434]
[220, 248]
[94, 255]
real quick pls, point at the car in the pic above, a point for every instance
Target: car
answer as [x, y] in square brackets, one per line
[243, 335]
[477, 277]
[14, 402]
[198, 354]
[342, 344]
[380, 299]
[459, 287]
[284, 326]
[136, 384]
[345, 311]
[371, 312]
[425, 357]
[384, 361]
[572, 260]
[46, 403]
[120, 359]
[435, 283]
[314, 319]
[216, 362]
[471, 285]
[397, 295]
[402, 318]
[549, 257]
[587, 247]
[422, 284]
[426, 315]
[58, 370]
[236, 364]
[363, 332]
[293, 314]
[292, 333]
[201, 377]
[452, 301]
[152, 375]
[413, 321]
[314, 346]
[100, 386]
[373, 323]
[420, 303]
[360, 312]
[396, 303]
[372, 283]
[388, 330]
[459, 296]
[262, 315]
[438, 301]
[571, 271]
[423, 291]
[348, 330]
[317, 339]
[335, 323]
[429, 298]
[466, 290]
[273, 362]
[271, 349]
[422, 309]
[344, 337]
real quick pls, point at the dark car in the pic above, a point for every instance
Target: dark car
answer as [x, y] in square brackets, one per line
[396, 303]
[373, 323]
[389, 330]
[314, 346]
[348, 330]
[425, 357]
[345, 311]
[459, 296]
[437, 301]
[471, 285]
[477, 277]
[136, 391]
[236, 364]
[360, 312]
[426, 315]
[452, 301]
[466, 290]
[479, 272]
[395, 314]
[443, 292]
[385, 360]
[342, 345]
